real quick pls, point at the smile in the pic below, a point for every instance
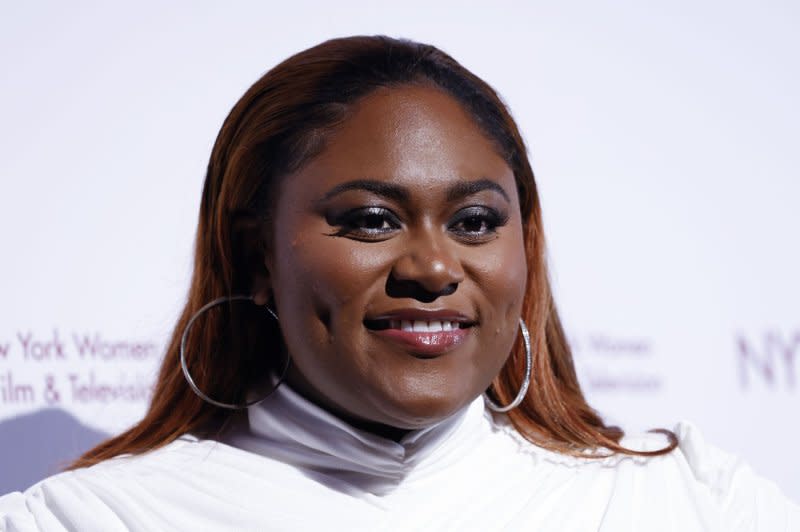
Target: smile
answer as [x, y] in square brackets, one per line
[423, 338]
[419, 326]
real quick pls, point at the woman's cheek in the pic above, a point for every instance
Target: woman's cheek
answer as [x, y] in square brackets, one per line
[501, 277]
[338, 270]
[517, 279]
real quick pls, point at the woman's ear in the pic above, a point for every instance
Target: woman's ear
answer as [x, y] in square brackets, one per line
[250, 245]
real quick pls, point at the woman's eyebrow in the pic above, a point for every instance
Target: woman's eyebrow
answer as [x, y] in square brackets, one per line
[398, 193]
[380, 188]
[467, 188]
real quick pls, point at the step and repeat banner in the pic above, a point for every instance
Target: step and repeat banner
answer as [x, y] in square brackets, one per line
[664, 139]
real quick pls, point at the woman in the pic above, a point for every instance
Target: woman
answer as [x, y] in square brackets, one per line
[370, 341]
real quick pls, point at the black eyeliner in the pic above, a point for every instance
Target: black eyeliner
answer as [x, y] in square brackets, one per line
[347, 222]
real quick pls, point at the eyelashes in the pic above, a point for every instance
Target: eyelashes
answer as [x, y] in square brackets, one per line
[473, 224]
[369, 222]
[477, 222]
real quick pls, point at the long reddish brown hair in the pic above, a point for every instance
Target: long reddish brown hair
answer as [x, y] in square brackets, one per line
[279, 124]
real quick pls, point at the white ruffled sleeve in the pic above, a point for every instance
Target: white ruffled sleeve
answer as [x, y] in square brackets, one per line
[60, 503]
[14, 514]
[746, 501]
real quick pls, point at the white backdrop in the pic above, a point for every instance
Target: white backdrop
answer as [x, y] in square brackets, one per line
[663, 135]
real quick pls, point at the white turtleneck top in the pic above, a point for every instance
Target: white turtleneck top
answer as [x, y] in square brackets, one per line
[293, 466]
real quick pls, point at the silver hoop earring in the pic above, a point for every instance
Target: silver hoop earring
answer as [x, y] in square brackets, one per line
[526, 382]
[185, 367]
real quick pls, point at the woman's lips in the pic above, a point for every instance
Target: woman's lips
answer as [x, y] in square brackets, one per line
[423, 338]
[426, 344]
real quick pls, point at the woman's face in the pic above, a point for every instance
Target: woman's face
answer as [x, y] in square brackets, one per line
[397, 264]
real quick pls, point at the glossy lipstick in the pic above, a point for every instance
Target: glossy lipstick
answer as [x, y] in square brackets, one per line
[424, 333]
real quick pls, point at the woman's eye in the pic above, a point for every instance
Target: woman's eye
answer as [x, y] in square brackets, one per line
[366, 222]
[477, 223]
[474, 224]
[374, 222]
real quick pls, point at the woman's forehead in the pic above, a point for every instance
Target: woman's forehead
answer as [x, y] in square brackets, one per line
[413, 136]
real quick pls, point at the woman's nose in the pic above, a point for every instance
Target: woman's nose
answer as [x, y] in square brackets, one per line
[427, 268]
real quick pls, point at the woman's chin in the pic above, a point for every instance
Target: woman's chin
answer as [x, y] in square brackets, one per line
[421, 410]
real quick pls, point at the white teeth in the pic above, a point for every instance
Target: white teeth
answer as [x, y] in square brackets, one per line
[421, 326]
[424, 326]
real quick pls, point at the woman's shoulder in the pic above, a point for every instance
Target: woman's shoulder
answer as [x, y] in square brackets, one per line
[187, 484]
[114, 493]
[746, 499]
[697, 478]
[723, 484]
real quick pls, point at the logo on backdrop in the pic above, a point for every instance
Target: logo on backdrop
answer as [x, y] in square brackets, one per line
[770, 359]
[615, 363]
[73, 368]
